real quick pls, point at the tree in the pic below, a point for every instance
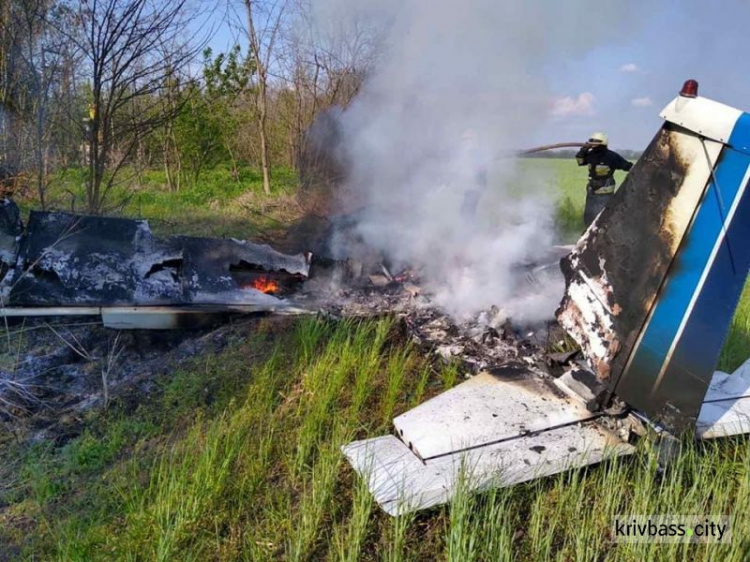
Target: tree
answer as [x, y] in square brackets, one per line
[44, 55]
[203, 132]
[32, 58]
[15, 80]
[225, 78]
[263, 29]
[129, 48]
[324, 66]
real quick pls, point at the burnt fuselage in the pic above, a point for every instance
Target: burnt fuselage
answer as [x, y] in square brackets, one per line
[74, 260]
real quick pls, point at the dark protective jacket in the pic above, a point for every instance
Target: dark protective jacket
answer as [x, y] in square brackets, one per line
[10, 218]
[602, 163]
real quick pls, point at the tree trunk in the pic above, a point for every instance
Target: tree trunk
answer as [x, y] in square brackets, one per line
[262, 118]
[261, 97]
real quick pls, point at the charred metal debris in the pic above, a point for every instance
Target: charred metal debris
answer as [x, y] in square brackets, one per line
[67, 260]
[63, 264]
[73, 263]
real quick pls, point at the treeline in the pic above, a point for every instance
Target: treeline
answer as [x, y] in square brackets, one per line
[120, 86]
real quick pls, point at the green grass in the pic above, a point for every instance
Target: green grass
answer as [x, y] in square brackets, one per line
[565, 182]
[737, 345]
[216, 205]
[236, 456]
[257, 473]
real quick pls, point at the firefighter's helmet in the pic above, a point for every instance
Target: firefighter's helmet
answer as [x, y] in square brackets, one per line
[598, 139]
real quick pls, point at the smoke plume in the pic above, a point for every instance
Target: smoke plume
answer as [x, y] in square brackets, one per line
[458, 85]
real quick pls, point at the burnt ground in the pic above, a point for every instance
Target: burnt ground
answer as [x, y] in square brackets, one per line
[52, 373]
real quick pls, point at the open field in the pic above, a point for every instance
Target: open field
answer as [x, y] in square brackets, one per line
[217, 205]
[236, 455]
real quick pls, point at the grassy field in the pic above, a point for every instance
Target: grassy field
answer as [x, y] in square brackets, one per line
[217, 205]
[237, 456]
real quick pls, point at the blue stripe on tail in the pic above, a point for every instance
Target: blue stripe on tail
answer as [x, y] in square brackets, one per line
[696, 351]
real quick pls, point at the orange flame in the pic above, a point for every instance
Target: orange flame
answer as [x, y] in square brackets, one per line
[265, 285]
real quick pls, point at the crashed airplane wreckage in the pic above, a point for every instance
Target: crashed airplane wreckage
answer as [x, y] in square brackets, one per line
[63, 264]
[651, 290]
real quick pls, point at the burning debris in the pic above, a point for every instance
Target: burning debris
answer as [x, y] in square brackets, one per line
[651, 288]
[484, 341]
[263, 284]
[65, 260]
[650, 291]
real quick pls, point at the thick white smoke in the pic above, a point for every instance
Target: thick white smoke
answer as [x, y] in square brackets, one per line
[458, 85]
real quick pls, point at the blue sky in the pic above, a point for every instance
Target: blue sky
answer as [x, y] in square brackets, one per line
[632, 78]
[621, 86]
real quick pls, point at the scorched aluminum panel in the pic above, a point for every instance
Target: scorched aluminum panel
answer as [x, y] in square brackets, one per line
[486, 409]
[401, 482]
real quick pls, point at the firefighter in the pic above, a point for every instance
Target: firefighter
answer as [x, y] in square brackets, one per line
[602, 163]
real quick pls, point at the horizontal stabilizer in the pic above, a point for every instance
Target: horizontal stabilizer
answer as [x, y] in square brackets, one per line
[401, 482]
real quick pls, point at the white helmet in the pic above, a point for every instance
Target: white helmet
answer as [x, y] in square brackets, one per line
[598, 138]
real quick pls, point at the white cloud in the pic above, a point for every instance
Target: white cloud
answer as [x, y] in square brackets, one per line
[642, 102]
[570, 106]
[630, 67]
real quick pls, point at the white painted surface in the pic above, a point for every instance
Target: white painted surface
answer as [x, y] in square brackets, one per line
[401, 483]
[169, 318]
[706, 117]
[724, 418]
[726, 387]
[587, 317]
[726, 408]
[150, 317]
[484, 410]
[9, 312]
[700, 157]
[143, 318]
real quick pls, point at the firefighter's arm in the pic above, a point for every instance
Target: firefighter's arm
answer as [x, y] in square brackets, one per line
[623, 164]
[581, 155]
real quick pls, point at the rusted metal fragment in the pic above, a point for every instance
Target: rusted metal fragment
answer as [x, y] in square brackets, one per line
[614, 273]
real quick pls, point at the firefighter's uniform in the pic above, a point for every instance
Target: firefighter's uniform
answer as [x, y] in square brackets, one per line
[602, 164]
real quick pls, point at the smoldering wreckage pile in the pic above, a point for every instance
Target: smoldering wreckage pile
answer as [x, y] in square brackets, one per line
[648, 294]
[90, 287]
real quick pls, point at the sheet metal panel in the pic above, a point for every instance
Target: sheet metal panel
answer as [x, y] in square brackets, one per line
[486, 409]
[75, 260]
[723, 418]
[726, 386]
[401, 482]
[703, 116]
[618, 267]
[67, 259]
[674, 360]
[726, 410]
